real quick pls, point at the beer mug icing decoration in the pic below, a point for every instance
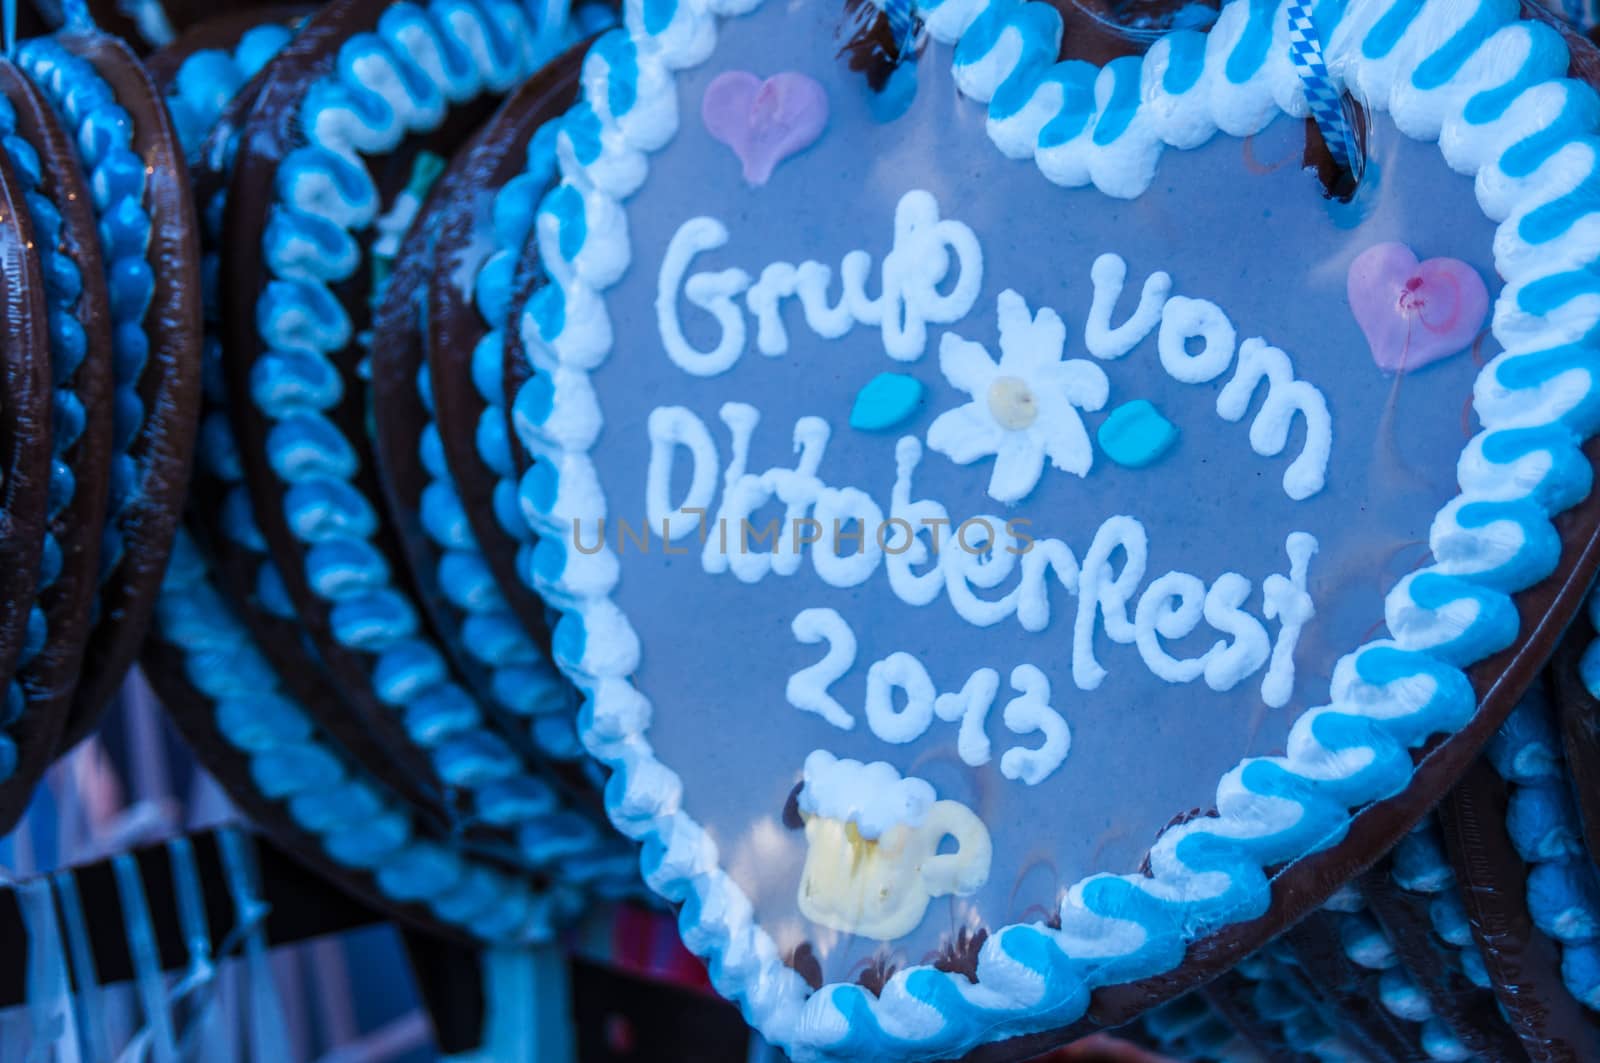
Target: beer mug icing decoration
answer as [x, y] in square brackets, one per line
[873, 858]
[1021, 503]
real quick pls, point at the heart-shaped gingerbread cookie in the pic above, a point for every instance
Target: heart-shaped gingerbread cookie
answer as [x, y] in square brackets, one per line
[1104, 645]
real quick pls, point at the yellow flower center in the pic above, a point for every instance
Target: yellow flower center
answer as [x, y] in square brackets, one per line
[1012, 403]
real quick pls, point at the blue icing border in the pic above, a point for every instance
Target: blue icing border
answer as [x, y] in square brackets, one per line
[1188, 1028]
[357, 824]
[1419, 866]
[462, 572]
[102, 132]
[68, 348]
[1367, 945]
[1563, 888]
[1468, 75]
[385, 85]
[208, 80]
[524, 681]
[1296, 1018]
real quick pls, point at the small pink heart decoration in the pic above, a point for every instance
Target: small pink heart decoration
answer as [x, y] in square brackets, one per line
[764, 122]
[1415, 313]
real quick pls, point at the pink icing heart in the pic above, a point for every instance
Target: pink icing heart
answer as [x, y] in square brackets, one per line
[764, 122]
[1415, 313]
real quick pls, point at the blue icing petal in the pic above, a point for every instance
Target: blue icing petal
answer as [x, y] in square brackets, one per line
[516, 799]
[63, 281]
[420, 871]
[285, 772]
[1580, 970]
[376, 619]
[258, 47]
[68, 419]
[132, 285]
[130, 350]
[367, 843]
[103, 132]
[493, 287]
[431, 450]
[50, 561]
[344, 805]
[127, 416]
[886, 402]
[119, 175]
[210, 79]
[440, 712]
[342, 566]
[63, 485]
[1125, 99]
[474, 759]
[513, 209]
[13, 706]
[493, 446]
[534, 691]
[467, 580]
[25, 159]
[408, 666]
[262, 722]
[1136, 435]
[1185, 61]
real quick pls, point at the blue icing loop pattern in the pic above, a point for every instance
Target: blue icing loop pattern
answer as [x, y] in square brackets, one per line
[68, 348]
[399, 81]
[524, 681]
[210, 78]
[103, 134]
[300, 769]
[357, 823]
[1468, 75]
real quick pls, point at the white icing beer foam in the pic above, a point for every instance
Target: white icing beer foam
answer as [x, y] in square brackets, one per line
[872, 796]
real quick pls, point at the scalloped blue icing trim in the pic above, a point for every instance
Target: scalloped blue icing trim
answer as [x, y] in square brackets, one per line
[1367, 945]
[1296, 1019]
[1491, 91]
[1563, 888]
[207, 81]
[1418, 865]
[219, 451]
[102, 131]
[357, 823]
[68, 348]
[503, 648]
[1188, 1028]
[522, 679]
[385, 85]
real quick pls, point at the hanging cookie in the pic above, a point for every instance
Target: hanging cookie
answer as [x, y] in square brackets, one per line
[1213, 490]
[55, 197]
[27, 488]
[139, 191]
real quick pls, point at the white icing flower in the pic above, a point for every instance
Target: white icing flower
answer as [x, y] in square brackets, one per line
[1025, 408]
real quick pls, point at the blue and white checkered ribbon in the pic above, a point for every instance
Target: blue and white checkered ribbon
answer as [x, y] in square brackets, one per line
[1322, 95]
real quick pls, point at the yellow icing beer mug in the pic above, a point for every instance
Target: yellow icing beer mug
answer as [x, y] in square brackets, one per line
[880, 887]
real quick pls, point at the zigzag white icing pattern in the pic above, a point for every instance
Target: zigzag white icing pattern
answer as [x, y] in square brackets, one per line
[1491, 90]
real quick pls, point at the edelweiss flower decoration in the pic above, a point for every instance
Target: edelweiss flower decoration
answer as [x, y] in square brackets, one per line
[1023, 409]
